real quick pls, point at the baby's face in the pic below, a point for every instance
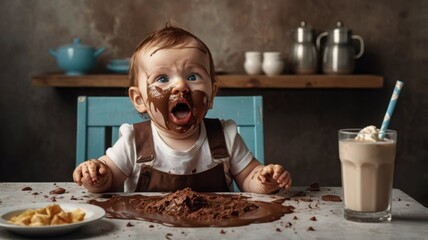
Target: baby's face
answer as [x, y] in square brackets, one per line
[175, 85]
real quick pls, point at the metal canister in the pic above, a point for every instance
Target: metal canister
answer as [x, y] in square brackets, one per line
[339, 51]
[304, 54]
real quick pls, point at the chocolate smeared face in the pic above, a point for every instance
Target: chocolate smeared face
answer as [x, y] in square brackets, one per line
[176, 87]
[180, 112]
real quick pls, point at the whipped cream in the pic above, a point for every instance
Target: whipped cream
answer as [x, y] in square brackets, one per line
[369, 134]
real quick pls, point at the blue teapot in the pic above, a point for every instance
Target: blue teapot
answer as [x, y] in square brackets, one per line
[76, 59]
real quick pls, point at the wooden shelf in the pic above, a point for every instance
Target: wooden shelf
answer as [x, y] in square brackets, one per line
[225, 81]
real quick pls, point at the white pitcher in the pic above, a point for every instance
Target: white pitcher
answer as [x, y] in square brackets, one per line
[253, 63]
[273, 63]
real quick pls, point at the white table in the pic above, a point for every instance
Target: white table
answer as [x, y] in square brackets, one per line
[410, 218]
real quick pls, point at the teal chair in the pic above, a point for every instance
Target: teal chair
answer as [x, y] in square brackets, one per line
[99, 119]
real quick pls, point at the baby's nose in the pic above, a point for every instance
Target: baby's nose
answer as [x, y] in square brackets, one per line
[180, 85]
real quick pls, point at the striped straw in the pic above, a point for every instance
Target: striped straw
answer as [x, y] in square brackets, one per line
[391, 106]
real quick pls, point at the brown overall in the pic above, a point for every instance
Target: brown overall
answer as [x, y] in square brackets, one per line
[153, 180]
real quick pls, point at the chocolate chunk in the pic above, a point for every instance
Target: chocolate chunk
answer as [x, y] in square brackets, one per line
[168, 236]
[27, 189]
[129, 224]
[295, 218]
[222, 232]
[278, 230]
[311, 229]
[314, 187]
[313, 218]
[57, 191]
[331, 198]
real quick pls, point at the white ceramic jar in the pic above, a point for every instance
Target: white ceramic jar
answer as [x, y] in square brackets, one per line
[253, 63]
[273, 63]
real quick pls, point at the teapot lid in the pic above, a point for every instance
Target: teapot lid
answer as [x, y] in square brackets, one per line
[340, 34]
[304, 33]
[304, 27]
[340, 27]
[76, 44]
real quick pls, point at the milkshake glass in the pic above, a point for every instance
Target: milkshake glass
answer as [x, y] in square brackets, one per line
[367, 164]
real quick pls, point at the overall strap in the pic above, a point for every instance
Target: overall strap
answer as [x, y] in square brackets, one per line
[144, 141]
[216, 138]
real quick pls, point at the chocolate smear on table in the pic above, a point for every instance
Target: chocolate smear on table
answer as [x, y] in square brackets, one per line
[58, 190]
[331, 198]
[299, 194]
[279, 200]
[26, 189]
[303, 199]
[186, 208]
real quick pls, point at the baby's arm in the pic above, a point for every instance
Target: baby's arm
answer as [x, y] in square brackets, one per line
[258, 178]
[99, 175]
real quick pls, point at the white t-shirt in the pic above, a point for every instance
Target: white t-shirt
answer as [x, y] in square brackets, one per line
[196, 159]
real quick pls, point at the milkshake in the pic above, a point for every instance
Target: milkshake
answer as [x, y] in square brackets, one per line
[367, 160]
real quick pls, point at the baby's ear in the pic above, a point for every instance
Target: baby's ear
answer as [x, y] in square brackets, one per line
[137, 99]
[215, 89]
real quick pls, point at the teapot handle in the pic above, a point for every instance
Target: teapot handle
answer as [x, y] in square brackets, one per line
[99, 51]
[53, 53]
[321, 35]
[360, 39]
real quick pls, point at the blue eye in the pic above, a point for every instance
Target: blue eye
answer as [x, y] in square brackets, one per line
[192, 77]
[162, 79]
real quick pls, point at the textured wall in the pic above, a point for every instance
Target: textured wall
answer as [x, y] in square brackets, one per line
[38, 123]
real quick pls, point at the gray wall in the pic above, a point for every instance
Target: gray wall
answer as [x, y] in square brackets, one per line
[38, 123]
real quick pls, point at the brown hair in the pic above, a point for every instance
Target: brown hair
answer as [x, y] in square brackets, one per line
[167, 37]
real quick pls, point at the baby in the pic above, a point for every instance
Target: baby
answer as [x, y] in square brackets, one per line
[173, 81]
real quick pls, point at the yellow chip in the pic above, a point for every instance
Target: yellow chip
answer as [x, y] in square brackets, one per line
[78, 215]
[50, 215]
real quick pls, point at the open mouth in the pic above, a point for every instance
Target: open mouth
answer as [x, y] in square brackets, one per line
[181, 113]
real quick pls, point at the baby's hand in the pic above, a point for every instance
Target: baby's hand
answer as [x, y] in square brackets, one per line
[273, 177]
[92, 172]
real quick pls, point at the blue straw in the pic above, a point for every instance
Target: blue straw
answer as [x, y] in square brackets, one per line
[391, 106]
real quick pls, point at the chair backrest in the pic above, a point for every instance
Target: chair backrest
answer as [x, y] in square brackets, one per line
[99, 119]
